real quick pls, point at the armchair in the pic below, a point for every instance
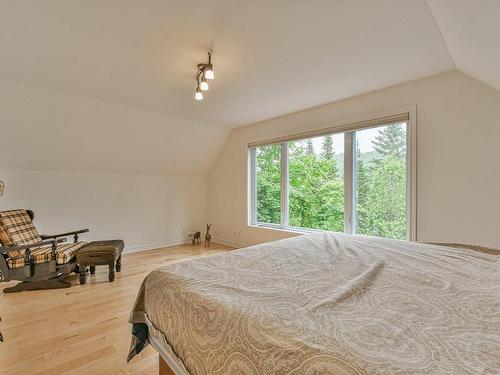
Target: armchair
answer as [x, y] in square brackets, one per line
[38, 261]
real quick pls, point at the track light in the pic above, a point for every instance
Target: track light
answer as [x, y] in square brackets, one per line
[198, 95]
[203, 84]
[205, 71]
[209, 72]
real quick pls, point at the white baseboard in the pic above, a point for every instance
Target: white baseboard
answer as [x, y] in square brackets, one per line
[229, 243]
[159, 245]
[153, 246]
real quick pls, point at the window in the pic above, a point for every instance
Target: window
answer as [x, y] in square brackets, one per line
[354, 181]
[316, 183]
[268, 171]
[380, 181]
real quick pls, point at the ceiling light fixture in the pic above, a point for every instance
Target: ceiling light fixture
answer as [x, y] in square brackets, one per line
[209, 72]
[205, 71]
[203, 84]
[198, 94]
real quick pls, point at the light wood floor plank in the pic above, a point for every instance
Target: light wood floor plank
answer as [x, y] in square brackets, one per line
[83, 329]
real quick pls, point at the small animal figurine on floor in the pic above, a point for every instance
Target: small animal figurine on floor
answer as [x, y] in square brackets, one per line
[208, 236]
[197, 238]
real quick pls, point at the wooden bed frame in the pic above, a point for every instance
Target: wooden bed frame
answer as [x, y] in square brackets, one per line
[163, 367]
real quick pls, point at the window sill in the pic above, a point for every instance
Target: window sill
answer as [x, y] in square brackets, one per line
[302, 231]
[278, 228]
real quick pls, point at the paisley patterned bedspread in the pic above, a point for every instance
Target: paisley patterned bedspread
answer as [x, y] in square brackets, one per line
[326, 304]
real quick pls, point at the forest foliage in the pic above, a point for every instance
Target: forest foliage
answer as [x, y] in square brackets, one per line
[316, 185]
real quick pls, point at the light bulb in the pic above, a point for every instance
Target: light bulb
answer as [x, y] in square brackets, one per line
[209, 72]
[204, 84]
[198, 95]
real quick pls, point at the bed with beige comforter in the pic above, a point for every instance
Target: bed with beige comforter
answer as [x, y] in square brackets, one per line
[325, 304]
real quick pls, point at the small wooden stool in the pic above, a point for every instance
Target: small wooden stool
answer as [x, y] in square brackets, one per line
[100, 253]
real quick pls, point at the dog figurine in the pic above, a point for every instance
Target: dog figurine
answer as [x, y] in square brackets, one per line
[197, 238]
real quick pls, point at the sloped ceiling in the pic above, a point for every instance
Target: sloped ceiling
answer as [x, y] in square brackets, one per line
[271, 57]
[471, 30]
[44, 129]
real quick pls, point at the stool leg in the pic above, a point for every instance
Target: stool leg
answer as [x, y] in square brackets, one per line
[92, 270]
[119, 264]
[111, 272]
[83, 274]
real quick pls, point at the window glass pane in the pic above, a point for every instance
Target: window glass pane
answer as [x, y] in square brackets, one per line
[316, 183]
[268, 178]
[380, 181]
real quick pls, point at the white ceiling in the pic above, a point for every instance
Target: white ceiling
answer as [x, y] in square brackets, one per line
[270, 57]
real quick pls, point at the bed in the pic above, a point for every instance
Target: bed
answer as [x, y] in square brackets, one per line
[325, 303]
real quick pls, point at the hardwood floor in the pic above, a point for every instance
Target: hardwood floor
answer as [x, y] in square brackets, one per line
[83, 329]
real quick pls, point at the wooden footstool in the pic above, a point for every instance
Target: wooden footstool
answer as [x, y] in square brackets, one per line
[100, 253]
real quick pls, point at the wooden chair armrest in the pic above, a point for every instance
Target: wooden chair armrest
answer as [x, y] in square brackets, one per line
[66, 234]
[74, 233]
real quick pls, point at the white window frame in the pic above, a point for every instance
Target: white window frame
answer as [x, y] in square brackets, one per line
[349, 129]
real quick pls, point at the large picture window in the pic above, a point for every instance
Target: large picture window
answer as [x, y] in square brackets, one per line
[268, 172]
[316, 183]
[354, 181]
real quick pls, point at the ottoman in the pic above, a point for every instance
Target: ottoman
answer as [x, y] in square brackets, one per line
[100, 253]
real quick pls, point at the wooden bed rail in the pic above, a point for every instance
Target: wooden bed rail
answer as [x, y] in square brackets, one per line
[163, 367]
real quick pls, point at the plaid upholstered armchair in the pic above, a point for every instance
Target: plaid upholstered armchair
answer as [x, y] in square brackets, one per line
[38, 261]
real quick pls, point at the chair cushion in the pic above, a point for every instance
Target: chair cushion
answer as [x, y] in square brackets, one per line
[5, 238]
[66, 252]
[14, 253]
[42, 254]
[20, 228]
[16, 262]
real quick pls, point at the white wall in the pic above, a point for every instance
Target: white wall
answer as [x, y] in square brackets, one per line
[122, 172]
[145, 211]
[458, 159]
